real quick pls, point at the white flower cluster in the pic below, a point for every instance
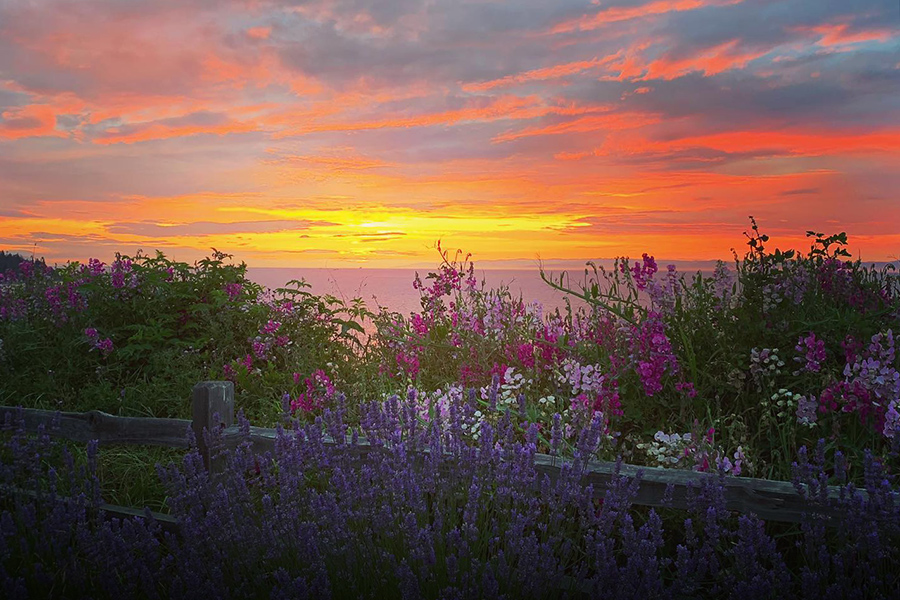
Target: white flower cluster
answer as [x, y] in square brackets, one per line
[547, 401]
[782, 403]
[535, 310]
[475, 428]
[439, 401]
[581, 378]
[511, 384]
[764, 365]
[683, 451]
[669, 449]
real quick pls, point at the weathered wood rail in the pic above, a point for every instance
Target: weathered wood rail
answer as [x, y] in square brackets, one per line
[213, 406]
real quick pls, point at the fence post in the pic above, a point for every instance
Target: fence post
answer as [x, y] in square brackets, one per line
[212, 406]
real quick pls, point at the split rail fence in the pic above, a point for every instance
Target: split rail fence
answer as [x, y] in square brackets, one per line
[770, 500]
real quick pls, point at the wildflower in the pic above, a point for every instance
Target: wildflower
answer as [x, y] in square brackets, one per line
[105, 346]
[891, 421]
[687, 388]
[812, 350]
[652, 352]
[419, 326]
[120, 269]
[95, 267]
[233, 290]
[270, 327]
[260, 349]
[642, 273]
[806, 410]
[319, 390]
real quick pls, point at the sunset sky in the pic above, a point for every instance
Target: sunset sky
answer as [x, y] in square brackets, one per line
[354, 133]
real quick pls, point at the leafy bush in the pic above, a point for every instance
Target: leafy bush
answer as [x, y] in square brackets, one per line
[134, 337]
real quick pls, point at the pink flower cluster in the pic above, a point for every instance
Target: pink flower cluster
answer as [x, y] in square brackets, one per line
[652, 353]
[270, 327]
[121, 274]
[105, 346]
[94, 268]
[233, 291]
[62, 299]
[871, 385]
[591, 388]
[642, 273]
[812, 350]
[319, 391]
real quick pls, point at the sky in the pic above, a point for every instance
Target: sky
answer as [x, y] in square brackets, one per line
[359, 133]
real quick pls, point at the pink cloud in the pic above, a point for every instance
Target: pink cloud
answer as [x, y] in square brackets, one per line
[36, 120]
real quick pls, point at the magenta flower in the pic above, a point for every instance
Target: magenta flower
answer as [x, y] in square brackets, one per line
[686, 387]
[104, 346]
[270, 327]
[813, 350]
[642, 273]
[652, 353]
[259, 349]
[95, 267]
[419, 326]
[319, 391]
[233, 290]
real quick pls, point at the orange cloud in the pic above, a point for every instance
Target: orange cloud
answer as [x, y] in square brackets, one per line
[35, 120]
[159, 131]
[259, 33]
[617, 14]
[502, 107]
[710, 62]
[543, 74]
[836, 34]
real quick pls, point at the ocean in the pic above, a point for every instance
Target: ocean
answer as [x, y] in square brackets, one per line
[393, 288]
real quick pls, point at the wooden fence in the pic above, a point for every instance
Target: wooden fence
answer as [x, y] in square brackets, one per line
[770, 500]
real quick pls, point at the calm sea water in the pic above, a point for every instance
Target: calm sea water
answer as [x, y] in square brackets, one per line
[393, 288]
